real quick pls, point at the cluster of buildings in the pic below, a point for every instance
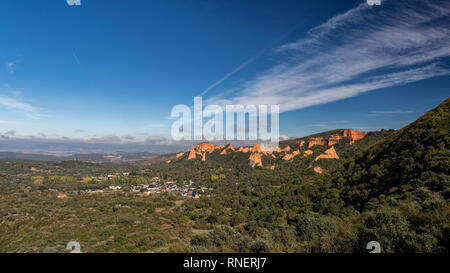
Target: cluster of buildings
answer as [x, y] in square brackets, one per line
[158, 186]
[110, 176]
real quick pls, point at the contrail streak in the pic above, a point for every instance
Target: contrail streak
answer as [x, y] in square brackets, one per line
[249, 61]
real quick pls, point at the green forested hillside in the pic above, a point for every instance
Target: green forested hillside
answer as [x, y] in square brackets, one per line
[403, 183]
[417, 156]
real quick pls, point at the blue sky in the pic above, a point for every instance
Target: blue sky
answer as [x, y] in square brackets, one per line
[113, 70]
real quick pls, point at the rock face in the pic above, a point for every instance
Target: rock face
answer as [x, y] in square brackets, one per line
[192, 153]
[308, 153]
[205, 147]
[258, 148]
[228, 148]
[257, 151]
[202, 149]
[285, 149]
[243, 150]
[291, 156]
[318, 169]
[62, 196]
[354, 135]
[317, 141]
[334, 139]
[351, 134]
[329, 154]
[255, 160]
[301, 143]
[179, 155]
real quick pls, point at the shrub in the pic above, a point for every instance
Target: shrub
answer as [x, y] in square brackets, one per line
[311, 226]
[259, 246]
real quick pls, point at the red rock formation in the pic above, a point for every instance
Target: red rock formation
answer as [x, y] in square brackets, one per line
[192, 153]
[179, 155]
[204, 157]
[317, 141]
[285, 149]
[308, 152]
[260, 148]
[220, 147]
[62, 196]
[333, 139]
[318, 169]
[354, 135]
[255, 160]
[329, 154]
[291, 156]
[257, 148]
[202, 149]
[205, 147]
[244, 149]
[228, 148]
[301, 143]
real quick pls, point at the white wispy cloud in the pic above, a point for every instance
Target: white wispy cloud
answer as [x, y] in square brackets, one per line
[364, 49]
[16, 104]
[10, 67]
[390, 112]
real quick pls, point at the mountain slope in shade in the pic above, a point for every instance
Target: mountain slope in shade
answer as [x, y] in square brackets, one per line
[414, 157]
[400, 187]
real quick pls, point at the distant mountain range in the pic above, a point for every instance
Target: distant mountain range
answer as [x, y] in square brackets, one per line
[95, 158]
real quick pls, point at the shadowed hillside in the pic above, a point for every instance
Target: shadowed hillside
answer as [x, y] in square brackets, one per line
[403, 182]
